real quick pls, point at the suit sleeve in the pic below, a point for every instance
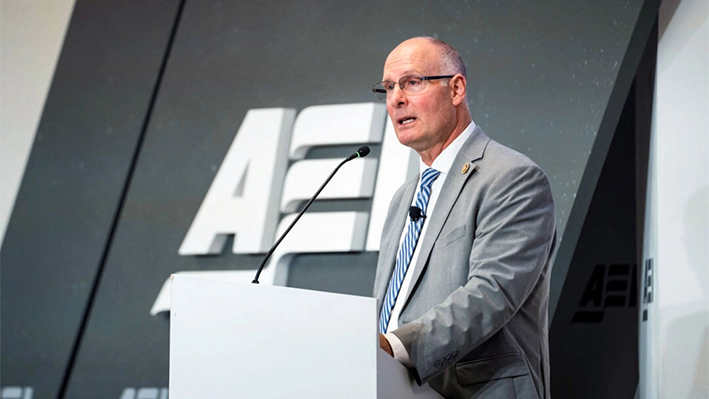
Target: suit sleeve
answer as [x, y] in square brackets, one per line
[514, 230]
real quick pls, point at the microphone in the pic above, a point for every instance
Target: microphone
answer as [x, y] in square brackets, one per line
[415, 213]
[360, 153]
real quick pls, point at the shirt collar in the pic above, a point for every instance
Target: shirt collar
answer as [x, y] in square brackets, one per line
[444, 160]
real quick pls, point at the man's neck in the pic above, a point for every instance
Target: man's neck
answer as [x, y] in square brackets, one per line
[430, 155]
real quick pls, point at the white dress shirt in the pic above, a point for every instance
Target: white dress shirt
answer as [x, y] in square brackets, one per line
[442, 163]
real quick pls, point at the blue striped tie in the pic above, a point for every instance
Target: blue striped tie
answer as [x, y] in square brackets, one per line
[403, 257]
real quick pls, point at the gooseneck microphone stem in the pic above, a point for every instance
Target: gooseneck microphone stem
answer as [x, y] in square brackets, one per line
[361, 153]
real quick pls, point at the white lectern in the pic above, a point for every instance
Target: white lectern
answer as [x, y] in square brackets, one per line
[236, 340]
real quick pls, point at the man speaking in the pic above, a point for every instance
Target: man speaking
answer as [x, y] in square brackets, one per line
[463, 274]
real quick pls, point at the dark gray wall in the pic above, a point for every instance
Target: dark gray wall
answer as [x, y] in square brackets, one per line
[541, 80]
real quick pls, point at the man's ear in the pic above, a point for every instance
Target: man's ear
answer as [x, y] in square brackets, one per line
[458, 86]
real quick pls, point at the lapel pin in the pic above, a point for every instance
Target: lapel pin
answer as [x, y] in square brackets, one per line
[465, 169]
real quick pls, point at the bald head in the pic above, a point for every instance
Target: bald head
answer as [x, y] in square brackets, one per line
[449, 58]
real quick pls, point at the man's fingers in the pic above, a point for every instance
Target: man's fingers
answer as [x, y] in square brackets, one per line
[384, 344]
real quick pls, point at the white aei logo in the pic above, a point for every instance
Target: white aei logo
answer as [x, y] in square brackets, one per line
[254, 185]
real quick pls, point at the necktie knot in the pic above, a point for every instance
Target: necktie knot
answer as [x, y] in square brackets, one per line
[428, 177]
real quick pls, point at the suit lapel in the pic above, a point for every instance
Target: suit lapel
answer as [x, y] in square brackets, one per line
[471, 151]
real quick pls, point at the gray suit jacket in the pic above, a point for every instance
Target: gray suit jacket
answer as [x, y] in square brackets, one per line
[475, 320]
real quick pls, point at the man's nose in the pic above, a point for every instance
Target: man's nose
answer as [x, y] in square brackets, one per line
[398, 96]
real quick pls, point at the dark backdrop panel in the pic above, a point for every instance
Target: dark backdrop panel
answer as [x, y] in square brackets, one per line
[594, 335]
[540, 79]
[640, 38]
[596, 324]
[71, 189]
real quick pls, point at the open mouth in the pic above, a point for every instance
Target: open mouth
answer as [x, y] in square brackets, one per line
[406, 121]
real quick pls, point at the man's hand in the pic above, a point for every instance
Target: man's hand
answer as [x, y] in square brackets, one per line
[384, 344]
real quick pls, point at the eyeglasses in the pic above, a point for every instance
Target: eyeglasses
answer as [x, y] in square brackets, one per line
[409, 84]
